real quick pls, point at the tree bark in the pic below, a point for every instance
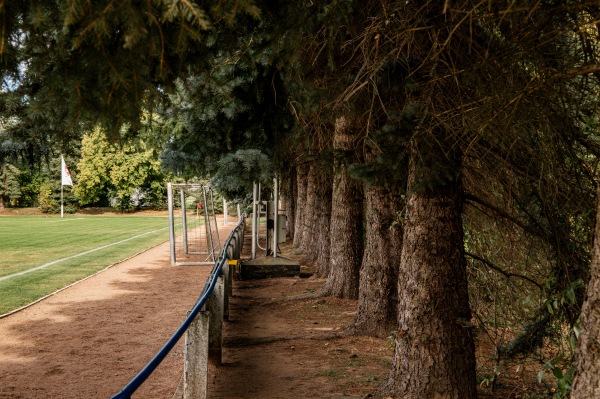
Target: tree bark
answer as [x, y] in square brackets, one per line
[290, 193]
[434, 355]
[587, 379]
[346, 228]
[301, 180]
[308, 231]
[317, 232]
[323, 224]
[378, 294]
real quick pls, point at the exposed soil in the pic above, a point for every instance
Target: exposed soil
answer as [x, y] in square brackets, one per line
[277, 347]
[281, 340]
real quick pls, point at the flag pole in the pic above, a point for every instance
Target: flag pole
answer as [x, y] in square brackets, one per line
[62, 180]
[65, 180]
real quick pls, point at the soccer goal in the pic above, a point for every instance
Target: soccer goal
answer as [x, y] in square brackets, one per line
[193, 230]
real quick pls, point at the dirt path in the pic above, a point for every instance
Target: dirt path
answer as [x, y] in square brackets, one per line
[280, 345]
[89, 340]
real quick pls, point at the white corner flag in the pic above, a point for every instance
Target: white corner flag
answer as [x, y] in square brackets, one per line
[66, 176]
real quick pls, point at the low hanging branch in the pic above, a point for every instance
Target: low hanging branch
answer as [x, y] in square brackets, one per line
[503, 272]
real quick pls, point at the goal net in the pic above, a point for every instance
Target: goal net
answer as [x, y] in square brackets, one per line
[193, 231]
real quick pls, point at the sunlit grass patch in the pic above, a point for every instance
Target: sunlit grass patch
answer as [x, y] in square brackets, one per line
[64, 250]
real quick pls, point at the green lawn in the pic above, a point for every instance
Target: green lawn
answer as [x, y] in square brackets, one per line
[28, 242]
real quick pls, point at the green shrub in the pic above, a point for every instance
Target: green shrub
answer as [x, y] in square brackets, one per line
[46, 200]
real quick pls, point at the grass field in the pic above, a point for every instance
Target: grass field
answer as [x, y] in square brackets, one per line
[39, 255]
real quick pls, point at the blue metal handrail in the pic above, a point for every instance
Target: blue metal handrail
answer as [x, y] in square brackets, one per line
[143, 375]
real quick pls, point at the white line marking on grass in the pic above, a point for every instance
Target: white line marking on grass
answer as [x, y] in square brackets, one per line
[75, 283]
[78, 255]
[65, 220]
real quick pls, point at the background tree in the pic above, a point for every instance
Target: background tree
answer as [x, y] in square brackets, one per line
[237, 172]
[10, 189]
[93, 180]
[109, 172]
[47, 200]
[133, 170]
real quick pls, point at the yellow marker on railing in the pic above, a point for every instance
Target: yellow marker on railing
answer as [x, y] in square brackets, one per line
[233, 262]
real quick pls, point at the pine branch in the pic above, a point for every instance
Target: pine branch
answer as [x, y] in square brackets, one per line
[162, 42]
[498, 211]
[503, 272]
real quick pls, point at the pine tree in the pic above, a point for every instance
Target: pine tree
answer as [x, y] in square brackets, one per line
[10, 189]
[67, 62]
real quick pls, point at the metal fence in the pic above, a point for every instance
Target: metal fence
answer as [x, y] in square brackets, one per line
[204, 339]
[197, 243]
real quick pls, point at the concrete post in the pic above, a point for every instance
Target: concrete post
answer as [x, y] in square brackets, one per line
[230, 293]
[215, 335]
[236, 241]
[230, 252]
[241, 232]
[238, 254]
[227, 286]
[195, 373]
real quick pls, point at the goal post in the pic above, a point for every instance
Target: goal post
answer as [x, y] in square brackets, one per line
[193, 231]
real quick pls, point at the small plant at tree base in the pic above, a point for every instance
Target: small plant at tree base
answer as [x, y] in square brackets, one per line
[561, 369]
[391, 340]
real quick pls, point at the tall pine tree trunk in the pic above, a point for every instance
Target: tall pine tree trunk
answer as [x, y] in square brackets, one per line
[434, 355]
[301, 180]
[346, 231]
[378, 295]
[308, 231]
[323, 223]
[587, 379]
[290, 192]
[317, 239]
